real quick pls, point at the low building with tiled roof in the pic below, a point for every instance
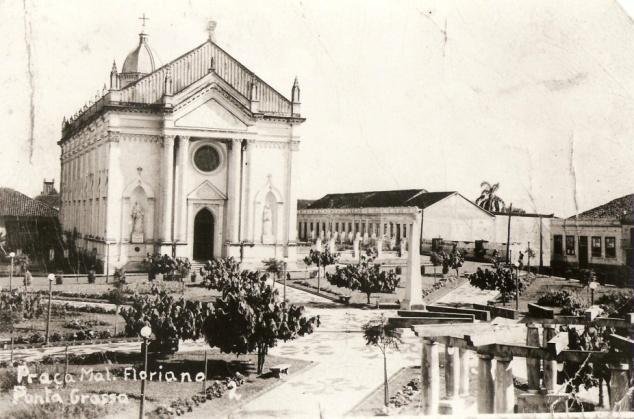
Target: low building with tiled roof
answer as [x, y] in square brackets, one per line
[447, 217]
[599, 238]
[27, 226]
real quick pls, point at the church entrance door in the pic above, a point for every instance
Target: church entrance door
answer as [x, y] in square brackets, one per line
[204, 235]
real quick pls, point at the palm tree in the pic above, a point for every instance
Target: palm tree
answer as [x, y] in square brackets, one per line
[488, 198]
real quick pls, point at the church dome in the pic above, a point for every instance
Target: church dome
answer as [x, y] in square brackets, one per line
[140, 61]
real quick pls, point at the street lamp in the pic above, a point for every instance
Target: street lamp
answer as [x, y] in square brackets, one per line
[11, 255]
[146, 332]
[593, 286]
[51, 278]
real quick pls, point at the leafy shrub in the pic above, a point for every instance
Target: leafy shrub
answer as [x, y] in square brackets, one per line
[570, 304]
[169, 318]
[366, 277]
[616, 303]
[501, 279]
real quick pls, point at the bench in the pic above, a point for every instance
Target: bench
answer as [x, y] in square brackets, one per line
[280, 369]
[344, 299]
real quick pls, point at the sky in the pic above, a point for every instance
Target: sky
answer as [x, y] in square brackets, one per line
[440, 95]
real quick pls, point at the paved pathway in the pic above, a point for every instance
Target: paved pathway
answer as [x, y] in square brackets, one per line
[346, 370]
[466, 293]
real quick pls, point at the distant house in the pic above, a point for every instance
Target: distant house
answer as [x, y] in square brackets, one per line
[49, 195]
[379, 214]
[448, 219]
[28, 227]
[600, 238]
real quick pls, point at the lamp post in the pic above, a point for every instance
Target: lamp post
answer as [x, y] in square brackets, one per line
[593, 286]
[51, 278]
[12, 256]
[146, 332]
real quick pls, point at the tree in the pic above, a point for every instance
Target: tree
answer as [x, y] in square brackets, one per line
[366, 276]
[275, 267]
[379, 333]
[249, 316]
[501, 279]
[322, 258]
[170, 319]
[488, 198]
[454, 260]
[117, 297]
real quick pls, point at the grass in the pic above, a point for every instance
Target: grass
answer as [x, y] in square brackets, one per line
[162, 392]
[60, 321]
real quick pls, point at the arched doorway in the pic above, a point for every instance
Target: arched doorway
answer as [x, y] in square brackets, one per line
[204, 235]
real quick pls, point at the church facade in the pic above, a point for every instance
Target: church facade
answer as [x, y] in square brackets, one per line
[194, 158]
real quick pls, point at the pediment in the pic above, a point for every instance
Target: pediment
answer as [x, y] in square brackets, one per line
[206, 190]
[211, 115]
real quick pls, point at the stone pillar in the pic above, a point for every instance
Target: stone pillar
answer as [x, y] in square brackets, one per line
[504, 399]
[452, 372]
[619, 383]
[486, 392]
[464, 372]
[413, 289]
[318, 245]
[379, 248]
[183, 156]
[430, 383]
[167, 185]
[331, 245]
[550, 367]
[233, 197]
[355, 249]
[532, 364]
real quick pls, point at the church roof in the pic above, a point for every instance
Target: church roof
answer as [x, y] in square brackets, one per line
[16, 204]
[196, 64]
[620, 208]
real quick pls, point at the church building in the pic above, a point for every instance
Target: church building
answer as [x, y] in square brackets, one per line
[194, 158]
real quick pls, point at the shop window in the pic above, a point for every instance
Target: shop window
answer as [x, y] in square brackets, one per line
[570, 245]
[596, 247]
[610, 247]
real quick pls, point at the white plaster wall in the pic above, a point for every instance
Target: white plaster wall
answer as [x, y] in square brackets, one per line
[525, 230]
[456, 219]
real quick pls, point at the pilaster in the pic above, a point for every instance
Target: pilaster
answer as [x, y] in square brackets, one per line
[167, 188]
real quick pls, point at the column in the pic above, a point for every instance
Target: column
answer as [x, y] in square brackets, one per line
[181, 197]
[452, 372]
[619, 383]
[167, 185]
[504, 399]
[233, 182]
[550, 367]
[532, 364]
[430, 383]
[464, 372]
[413, 289]
[485, 384]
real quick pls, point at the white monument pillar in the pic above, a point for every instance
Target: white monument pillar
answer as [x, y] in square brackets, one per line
[413, 290]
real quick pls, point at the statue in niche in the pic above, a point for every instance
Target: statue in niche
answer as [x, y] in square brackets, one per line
[267, 221]
[137, 216]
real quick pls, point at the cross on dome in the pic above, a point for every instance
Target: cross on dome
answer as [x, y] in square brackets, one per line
[144, 19]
